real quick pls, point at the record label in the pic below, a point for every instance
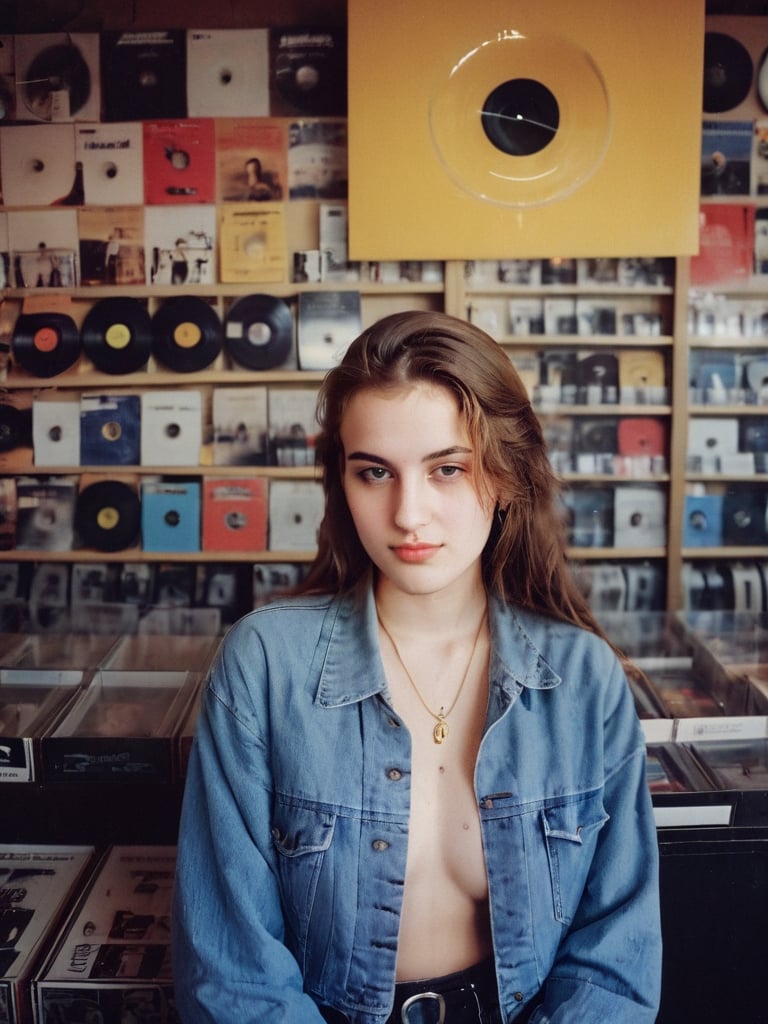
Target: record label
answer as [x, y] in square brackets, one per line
[45, 344]
[117, 335]
[186, 334]
[258, 332]
[108, 515]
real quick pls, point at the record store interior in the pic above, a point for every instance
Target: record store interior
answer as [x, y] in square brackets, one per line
[201, 206]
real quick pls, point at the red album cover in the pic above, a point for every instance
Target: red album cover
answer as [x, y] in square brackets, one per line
[179, 161]
[726, 244]
[252, 159]
[235, 514]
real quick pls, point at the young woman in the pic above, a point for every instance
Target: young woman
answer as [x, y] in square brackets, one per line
[417, 792]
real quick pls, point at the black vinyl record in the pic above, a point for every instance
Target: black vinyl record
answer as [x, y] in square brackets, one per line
[58, 67]
[258, 331]
[309, 71]
[45, 344]
[117, 335]
[108, 515]
[15, 427]
[728, 72]
[186, 334]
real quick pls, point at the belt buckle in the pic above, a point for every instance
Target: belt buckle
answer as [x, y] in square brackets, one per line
[418, 998]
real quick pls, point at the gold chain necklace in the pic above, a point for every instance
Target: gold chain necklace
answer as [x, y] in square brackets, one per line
[441, 730]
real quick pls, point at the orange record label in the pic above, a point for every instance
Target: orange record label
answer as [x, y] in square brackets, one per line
[186, 335]
[46, 339]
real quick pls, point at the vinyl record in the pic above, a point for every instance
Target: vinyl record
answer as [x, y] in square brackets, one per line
[57, 68]
[258, 331]
[521, 121]
[117, 335]
[108, 515]
[45, 344]
[728, 72]
[186, 334]
[15, 427]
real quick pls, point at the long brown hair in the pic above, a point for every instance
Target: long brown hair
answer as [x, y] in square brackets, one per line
[525, 556]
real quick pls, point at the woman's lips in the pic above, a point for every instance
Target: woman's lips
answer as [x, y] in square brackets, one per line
[415, 552]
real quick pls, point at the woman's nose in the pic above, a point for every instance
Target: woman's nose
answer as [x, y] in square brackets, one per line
[412, 507]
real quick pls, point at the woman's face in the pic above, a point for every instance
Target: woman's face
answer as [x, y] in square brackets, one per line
[410, 482]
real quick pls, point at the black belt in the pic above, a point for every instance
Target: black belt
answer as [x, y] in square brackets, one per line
[466, 997]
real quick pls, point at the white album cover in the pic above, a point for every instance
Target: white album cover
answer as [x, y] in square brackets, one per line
[37, 164]
[640, 517]
[240, 423]
[295, 511]
[171, 428]
[180, 243]
[112, 157]
[56, 432]
[43, 246]
[58, 76]
[228, 72]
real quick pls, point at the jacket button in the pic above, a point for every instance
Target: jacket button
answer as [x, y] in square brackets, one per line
[519, 997]
[394, 774]
[380, 844]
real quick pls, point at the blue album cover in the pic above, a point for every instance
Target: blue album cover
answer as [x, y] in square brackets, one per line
[170, 515]
[110, 430]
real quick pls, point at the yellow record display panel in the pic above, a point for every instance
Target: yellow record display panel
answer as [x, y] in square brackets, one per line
[491, 131]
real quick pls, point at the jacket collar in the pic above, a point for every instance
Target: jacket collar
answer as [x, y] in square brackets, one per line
[348, 663]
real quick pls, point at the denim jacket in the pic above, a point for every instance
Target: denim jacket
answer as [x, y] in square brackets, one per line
[292, 846]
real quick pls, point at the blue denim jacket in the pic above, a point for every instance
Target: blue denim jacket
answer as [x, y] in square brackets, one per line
[294, 829]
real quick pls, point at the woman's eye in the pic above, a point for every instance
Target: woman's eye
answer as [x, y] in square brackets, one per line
[449, 471]
[374, 473]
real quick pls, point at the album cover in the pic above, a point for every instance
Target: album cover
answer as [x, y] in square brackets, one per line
[292, 426]
[639, 315]
[317, 160]
[640, 516]
[179, 161]
[228, 72]
[327, 322]
[251, 159]
[58, 76]
[526, 316]
[295, 511]
[642, 376]
[726, 150]
[113, 954]
[334, 263]
[180, 244]
[171, 428]
[272, 580]
[596, 316]
[493, 316]
[308, 71]
[726, 244]
[112, 158]
[646, 271]
[112, 245]
[235, 514]
[589, 516]
[56, 432]
[120, 728]
[16, 431]
[170, 515]
[560, 315]
[240, 425]
[37, 883]
[110, 430]
[144, 75]
[45, 512]
[44, 246]
[37, 164]
[599, 271]
[252, 243]
[710, 440]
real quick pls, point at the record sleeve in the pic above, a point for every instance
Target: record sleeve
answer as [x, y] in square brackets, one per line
[171, 428]
[112, 247]
[170, 515]
[640, 516]
[58, 76]
[252, 243]
[293, 426]
[317, 160]
[240, 426]
[144, 75]
[308, 71]
[43, 246]
[590, 516]
[327, 322]
[181, 244]
[37, 163]
[258, 332]
[228, 72]
[112, 158]
[728, 72]
[179, 161]
[251, 159]
[726, 244]
[108, 515]
[110, 430]
[744, 516]
[726, 158]
[186, 334]
[235, 514]
[295, 512]
[117, 335]
[703, 520]
[45, 344]
[56, 432]
[45, 512]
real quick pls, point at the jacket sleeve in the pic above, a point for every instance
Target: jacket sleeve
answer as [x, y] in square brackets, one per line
[608, 966]
[230, 962]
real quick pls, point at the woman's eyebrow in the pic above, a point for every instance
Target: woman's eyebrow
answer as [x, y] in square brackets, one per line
[431, 456]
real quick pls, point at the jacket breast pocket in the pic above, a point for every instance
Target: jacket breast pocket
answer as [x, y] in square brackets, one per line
[301, 837]
[570, 836]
